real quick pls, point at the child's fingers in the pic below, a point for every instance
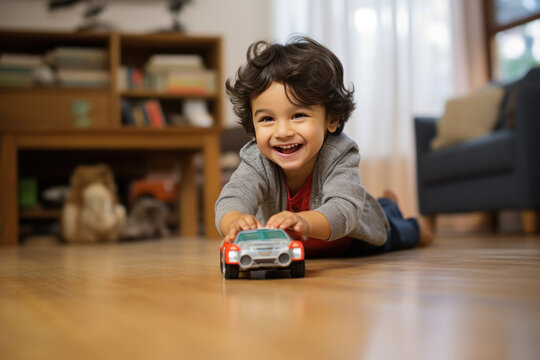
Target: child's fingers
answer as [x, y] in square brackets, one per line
[274, 221]
[254, 223]
[233, 230]
[282, 221]
[248, 223]
[299, 227]
[258, 223]
[287, 222]
[229, 237]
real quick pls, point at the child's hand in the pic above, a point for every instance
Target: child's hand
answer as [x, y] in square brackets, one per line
[242, 222]
[288, 220]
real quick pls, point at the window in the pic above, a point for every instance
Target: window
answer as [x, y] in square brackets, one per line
[513, 37]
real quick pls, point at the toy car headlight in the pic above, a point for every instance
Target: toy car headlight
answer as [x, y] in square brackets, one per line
[296, 253]
[234, 255]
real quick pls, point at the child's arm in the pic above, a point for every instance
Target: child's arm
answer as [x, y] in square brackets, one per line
[235, 221]
[309, 223]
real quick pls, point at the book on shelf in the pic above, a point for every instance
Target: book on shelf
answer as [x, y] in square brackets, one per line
[182, 74]
[138, 115]
[9, 78]
[146, 116]
[82, 78]
[149, 113]
[198, 82]
[155, 113]
[79, 66]
[21, 60]
[19, 69]
[74, 57]
[127, 113]
[130, 78]
[171, 62]
[145, 113]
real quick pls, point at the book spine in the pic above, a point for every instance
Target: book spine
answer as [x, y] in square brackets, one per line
[127, 113]
[155, 113]
[138, 115]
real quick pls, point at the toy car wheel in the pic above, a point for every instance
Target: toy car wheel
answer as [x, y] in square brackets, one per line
[231, 271]
[221, 262]
[298, 269]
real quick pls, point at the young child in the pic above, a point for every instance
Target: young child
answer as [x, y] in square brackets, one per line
[300, 172]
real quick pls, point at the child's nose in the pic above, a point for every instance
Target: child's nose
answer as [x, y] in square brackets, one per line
[283, 129]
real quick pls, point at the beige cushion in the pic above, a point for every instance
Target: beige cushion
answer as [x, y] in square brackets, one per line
[468, 117]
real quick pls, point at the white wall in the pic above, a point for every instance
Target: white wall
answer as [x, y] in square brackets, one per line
[238, 22]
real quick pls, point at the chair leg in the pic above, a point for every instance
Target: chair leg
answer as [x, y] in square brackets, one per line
[529, 219]
[492, 219]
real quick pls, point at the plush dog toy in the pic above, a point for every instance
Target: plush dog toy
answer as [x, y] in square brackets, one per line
[92, 212]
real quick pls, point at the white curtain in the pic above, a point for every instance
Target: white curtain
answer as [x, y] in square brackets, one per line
[398, 56]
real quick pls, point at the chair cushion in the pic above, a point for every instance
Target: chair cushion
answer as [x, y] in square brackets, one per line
[489, 154]
[468, 117]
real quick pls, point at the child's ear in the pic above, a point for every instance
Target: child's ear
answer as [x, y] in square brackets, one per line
[333, 122]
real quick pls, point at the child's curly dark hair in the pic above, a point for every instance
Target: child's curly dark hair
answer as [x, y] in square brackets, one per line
[311, 73]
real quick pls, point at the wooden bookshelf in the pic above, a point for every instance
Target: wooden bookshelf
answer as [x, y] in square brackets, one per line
[163, 95]
[39, 214]
[40, 118]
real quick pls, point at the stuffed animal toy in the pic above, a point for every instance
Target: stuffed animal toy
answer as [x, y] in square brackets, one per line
[92, 212]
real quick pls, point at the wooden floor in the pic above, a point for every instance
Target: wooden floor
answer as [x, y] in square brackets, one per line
[466, 297]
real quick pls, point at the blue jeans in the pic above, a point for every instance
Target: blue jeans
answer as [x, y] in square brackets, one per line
[403, 233]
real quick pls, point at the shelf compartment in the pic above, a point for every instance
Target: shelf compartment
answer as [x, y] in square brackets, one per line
[51, 108]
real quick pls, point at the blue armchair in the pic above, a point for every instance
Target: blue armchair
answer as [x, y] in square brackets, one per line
[494, 172]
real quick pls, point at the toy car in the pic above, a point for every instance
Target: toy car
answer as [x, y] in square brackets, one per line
[262, 249]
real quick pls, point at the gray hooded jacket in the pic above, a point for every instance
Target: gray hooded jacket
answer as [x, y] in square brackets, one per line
[258, 187]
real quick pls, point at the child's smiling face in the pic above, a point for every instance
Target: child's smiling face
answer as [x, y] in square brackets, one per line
[290, 135]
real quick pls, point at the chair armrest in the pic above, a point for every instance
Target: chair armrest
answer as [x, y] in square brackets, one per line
[527, 116]
[425, 129]
[528, 134]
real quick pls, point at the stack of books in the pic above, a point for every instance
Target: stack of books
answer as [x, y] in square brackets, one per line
[80, 66]
[19, 69]
[171, 73]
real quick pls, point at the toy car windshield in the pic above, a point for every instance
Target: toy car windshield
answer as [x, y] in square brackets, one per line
[262, 235]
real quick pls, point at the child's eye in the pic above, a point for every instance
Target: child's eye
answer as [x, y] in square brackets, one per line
[266, 119]
[299, 115]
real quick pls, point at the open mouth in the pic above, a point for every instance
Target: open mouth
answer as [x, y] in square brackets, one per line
[288, 149]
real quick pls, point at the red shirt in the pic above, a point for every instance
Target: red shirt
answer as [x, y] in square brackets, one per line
[315, 247]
